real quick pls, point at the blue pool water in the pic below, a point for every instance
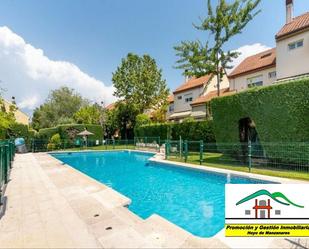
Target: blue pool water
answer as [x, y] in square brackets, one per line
[193, 200]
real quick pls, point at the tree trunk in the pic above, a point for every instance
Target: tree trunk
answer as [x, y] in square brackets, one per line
[218, 84]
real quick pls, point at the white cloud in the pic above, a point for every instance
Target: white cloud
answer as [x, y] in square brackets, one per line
[246, 51]
[29, 75]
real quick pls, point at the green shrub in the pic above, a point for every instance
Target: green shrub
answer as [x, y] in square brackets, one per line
[18, 130]
[190, 130]
[51, 146]
[56, 141]
[280, 113]
[47, 133]
[70, 131]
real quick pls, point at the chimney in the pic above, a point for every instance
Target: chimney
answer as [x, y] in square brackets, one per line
[289, 10]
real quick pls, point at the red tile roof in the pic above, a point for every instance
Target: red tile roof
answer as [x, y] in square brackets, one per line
[111, 106]
[298, 24]
[193, 83]
[213, 94]
[255, 63]
[170, 98]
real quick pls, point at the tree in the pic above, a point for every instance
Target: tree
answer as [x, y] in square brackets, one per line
[227, 20]
[139, 82]
[88, 115]
[59, 108]
[111, 124]
[142, 119]
[125, 116]
[7, 117]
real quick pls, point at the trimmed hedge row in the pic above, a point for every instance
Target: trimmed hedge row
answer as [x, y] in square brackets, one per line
[66, 131]
[191, 131]
[20, 130]
[280, 113]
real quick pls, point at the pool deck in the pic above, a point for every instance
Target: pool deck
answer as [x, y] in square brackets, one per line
[51, 205]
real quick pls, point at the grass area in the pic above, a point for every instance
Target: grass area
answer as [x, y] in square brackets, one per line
[218, 160]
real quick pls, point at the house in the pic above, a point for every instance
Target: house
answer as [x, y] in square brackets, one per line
[201, 107]
[20, 116]
[180, 105]
[256, 70]
[288, 60]
[292, 43]
[170, 109]
[111, 106]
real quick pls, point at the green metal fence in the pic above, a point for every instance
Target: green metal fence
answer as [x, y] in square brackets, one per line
[7, 154]
[145, 143]
[279, 156]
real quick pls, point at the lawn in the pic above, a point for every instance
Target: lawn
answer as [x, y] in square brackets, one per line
[217, 160]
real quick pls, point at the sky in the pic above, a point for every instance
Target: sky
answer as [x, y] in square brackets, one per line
[79, 43]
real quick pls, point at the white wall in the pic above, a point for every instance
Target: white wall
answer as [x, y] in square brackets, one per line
[213, 84]
[181, 105]
[240, 83]
[292, 62]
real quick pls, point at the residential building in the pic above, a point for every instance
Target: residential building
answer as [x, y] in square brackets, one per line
[170, 109]
[200, 106]
[292, 43]
[111, 106]
[20, 116]
[256, 70]
[180, 106]
[288, 60]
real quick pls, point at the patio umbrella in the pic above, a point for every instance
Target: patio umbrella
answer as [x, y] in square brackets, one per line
[85, 134]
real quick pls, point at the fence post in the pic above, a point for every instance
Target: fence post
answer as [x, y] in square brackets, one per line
[201, 151]
[186, 150]
[113, 144]
[126, 143]
[250, 155]
[166, 149]
[6, 162]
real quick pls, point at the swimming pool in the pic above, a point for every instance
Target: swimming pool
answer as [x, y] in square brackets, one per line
[193, 200]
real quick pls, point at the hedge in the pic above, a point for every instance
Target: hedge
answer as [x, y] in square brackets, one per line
[47, 133]
[280, 113]
[20, 130]
[191, 131]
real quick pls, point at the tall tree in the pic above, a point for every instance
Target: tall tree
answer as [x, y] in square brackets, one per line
[88, 115]
[139, 82]
[59, 108]
[222, 23]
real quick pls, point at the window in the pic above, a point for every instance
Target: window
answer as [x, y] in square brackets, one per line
[171, 108]
[179, 97]
[255, 81]
[272, 75]
[297, 44]
[188, 98]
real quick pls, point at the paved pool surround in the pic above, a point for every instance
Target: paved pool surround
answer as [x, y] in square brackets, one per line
[51, 205]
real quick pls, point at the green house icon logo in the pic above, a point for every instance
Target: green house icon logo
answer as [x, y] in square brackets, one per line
[262, 206]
